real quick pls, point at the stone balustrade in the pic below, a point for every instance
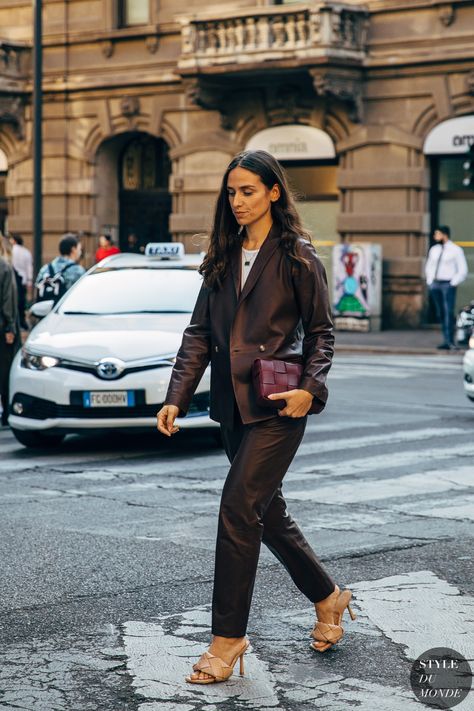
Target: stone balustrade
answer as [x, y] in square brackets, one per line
[276, 33]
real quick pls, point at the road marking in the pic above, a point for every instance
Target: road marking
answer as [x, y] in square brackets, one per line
[192, 464]
[383, 462]
[358, 371]
[428, 482]
[453, 508]
[343, 693]
[423, 363]
[418, 610]
[345, 443]
[161, 654]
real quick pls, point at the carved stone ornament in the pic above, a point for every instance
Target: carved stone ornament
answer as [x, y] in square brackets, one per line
[152, 44]
[470, 83]
[447, 14]
[345, 88]
[107, 48]
[287, 103]
[130, 106]
[12, 111]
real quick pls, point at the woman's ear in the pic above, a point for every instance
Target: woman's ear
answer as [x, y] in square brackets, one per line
[275, 193]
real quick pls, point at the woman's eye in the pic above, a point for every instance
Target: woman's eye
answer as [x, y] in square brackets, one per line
[247, 193]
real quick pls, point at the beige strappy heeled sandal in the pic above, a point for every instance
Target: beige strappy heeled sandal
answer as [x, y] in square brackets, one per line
[217, 669]
[328, 633]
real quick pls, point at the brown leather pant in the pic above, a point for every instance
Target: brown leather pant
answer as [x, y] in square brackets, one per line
[253, 510]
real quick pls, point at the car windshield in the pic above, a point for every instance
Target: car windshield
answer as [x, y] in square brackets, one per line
[131, 291]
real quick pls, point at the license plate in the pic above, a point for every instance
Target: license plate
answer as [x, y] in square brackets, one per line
[109, 398]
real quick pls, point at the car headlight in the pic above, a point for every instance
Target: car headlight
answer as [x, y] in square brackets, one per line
[37, 362]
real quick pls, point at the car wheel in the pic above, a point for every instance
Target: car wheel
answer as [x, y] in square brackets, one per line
[37, 440]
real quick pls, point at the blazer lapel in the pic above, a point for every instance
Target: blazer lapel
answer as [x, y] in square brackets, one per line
[267, 249]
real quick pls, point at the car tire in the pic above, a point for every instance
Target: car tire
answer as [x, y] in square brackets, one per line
[37, 440]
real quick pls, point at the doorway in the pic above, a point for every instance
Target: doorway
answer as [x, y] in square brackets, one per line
[453, 205]
[145, 201]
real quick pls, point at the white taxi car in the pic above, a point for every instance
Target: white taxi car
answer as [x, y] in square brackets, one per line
[102, 357]
[468, 366]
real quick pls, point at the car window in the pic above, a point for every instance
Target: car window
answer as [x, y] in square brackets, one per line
[123, 291]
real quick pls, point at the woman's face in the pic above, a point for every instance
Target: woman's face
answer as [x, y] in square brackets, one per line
[103, 241]
[249, 198]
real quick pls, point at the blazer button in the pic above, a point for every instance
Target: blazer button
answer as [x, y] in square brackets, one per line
[216, 348]
[261, 348]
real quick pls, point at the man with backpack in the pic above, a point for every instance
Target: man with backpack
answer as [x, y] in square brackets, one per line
[55, 278]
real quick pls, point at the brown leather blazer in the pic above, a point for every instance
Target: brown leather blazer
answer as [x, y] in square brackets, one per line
[282, 313]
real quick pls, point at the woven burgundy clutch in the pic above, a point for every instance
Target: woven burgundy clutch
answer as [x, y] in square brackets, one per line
[277, 376]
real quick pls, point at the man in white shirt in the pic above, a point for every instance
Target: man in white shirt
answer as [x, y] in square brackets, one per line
[22, 262]
[446, 267]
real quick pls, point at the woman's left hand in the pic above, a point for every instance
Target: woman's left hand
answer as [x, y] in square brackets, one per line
[298, 402]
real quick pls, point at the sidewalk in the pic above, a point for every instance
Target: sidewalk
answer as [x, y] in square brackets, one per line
[416, 342]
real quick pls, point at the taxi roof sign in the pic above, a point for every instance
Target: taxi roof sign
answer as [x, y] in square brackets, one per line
[165, 250]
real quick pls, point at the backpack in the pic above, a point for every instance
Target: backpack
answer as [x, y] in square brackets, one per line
[52, 286]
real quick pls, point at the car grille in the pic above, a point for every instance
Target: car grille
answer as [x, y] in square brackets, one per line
[40, 409]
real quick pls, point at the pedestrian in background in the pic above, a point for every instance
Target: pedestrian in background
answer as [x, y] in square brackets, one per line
[66, 266]
[106, 248]
[264, 295]
[22, 261]
[9, 323]
[446, 268]
[133, 244]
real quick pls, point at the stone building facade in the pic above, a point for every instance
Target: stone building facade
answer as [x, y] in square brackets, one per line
[369, 105]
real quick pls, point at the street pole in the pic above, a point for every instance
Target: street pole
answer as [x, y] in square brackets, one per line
[37, 134]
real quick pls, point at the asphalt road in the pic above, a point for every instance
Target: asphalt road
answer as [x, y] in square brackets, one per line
[106, 550]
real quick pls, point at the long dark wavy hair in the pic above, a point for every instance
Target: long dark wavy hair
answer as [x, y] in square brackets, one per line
[226, 234]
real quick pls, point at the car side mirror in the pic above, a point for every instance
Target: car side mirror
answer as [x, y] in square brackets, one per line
[42, 308]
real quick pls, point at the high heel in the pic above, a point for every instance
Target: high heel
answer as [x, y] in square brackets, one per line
[328, 633]
[216, 668]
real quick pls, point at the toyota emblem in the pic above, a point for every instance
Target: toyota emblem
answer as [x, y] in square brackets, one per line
[110, 368]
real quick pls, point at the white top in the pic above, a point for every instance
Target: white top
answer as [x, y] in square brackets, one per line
[447, 263]
[248, 258]
[23, 263]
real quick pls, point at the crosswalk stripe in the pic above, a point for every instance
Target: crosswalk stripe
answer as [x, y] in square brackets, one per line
[158, 661]
[345, 443]
[424, 363]
[433, 482]
[174, 465]
[419, 611]
[452, 508]
[382, 462]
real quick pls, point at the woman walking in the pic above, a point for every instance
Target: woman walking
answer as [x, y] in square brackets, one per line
[264, 295]
[9, 322]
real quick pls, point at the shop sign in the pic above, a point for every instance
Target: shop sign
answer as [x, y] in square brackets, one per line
[453, 136]
[294, 142]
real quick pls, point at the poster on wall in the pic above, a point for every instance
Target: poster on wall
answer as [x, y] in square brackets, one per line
[357, 286]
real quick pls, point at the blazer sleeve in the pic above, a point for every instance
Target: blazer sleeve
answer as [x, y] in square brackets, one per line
[193, 356]
[312, 294]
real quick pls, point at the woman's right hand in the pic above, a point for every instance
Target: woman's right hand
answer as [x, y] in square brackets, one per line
[165, 419]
